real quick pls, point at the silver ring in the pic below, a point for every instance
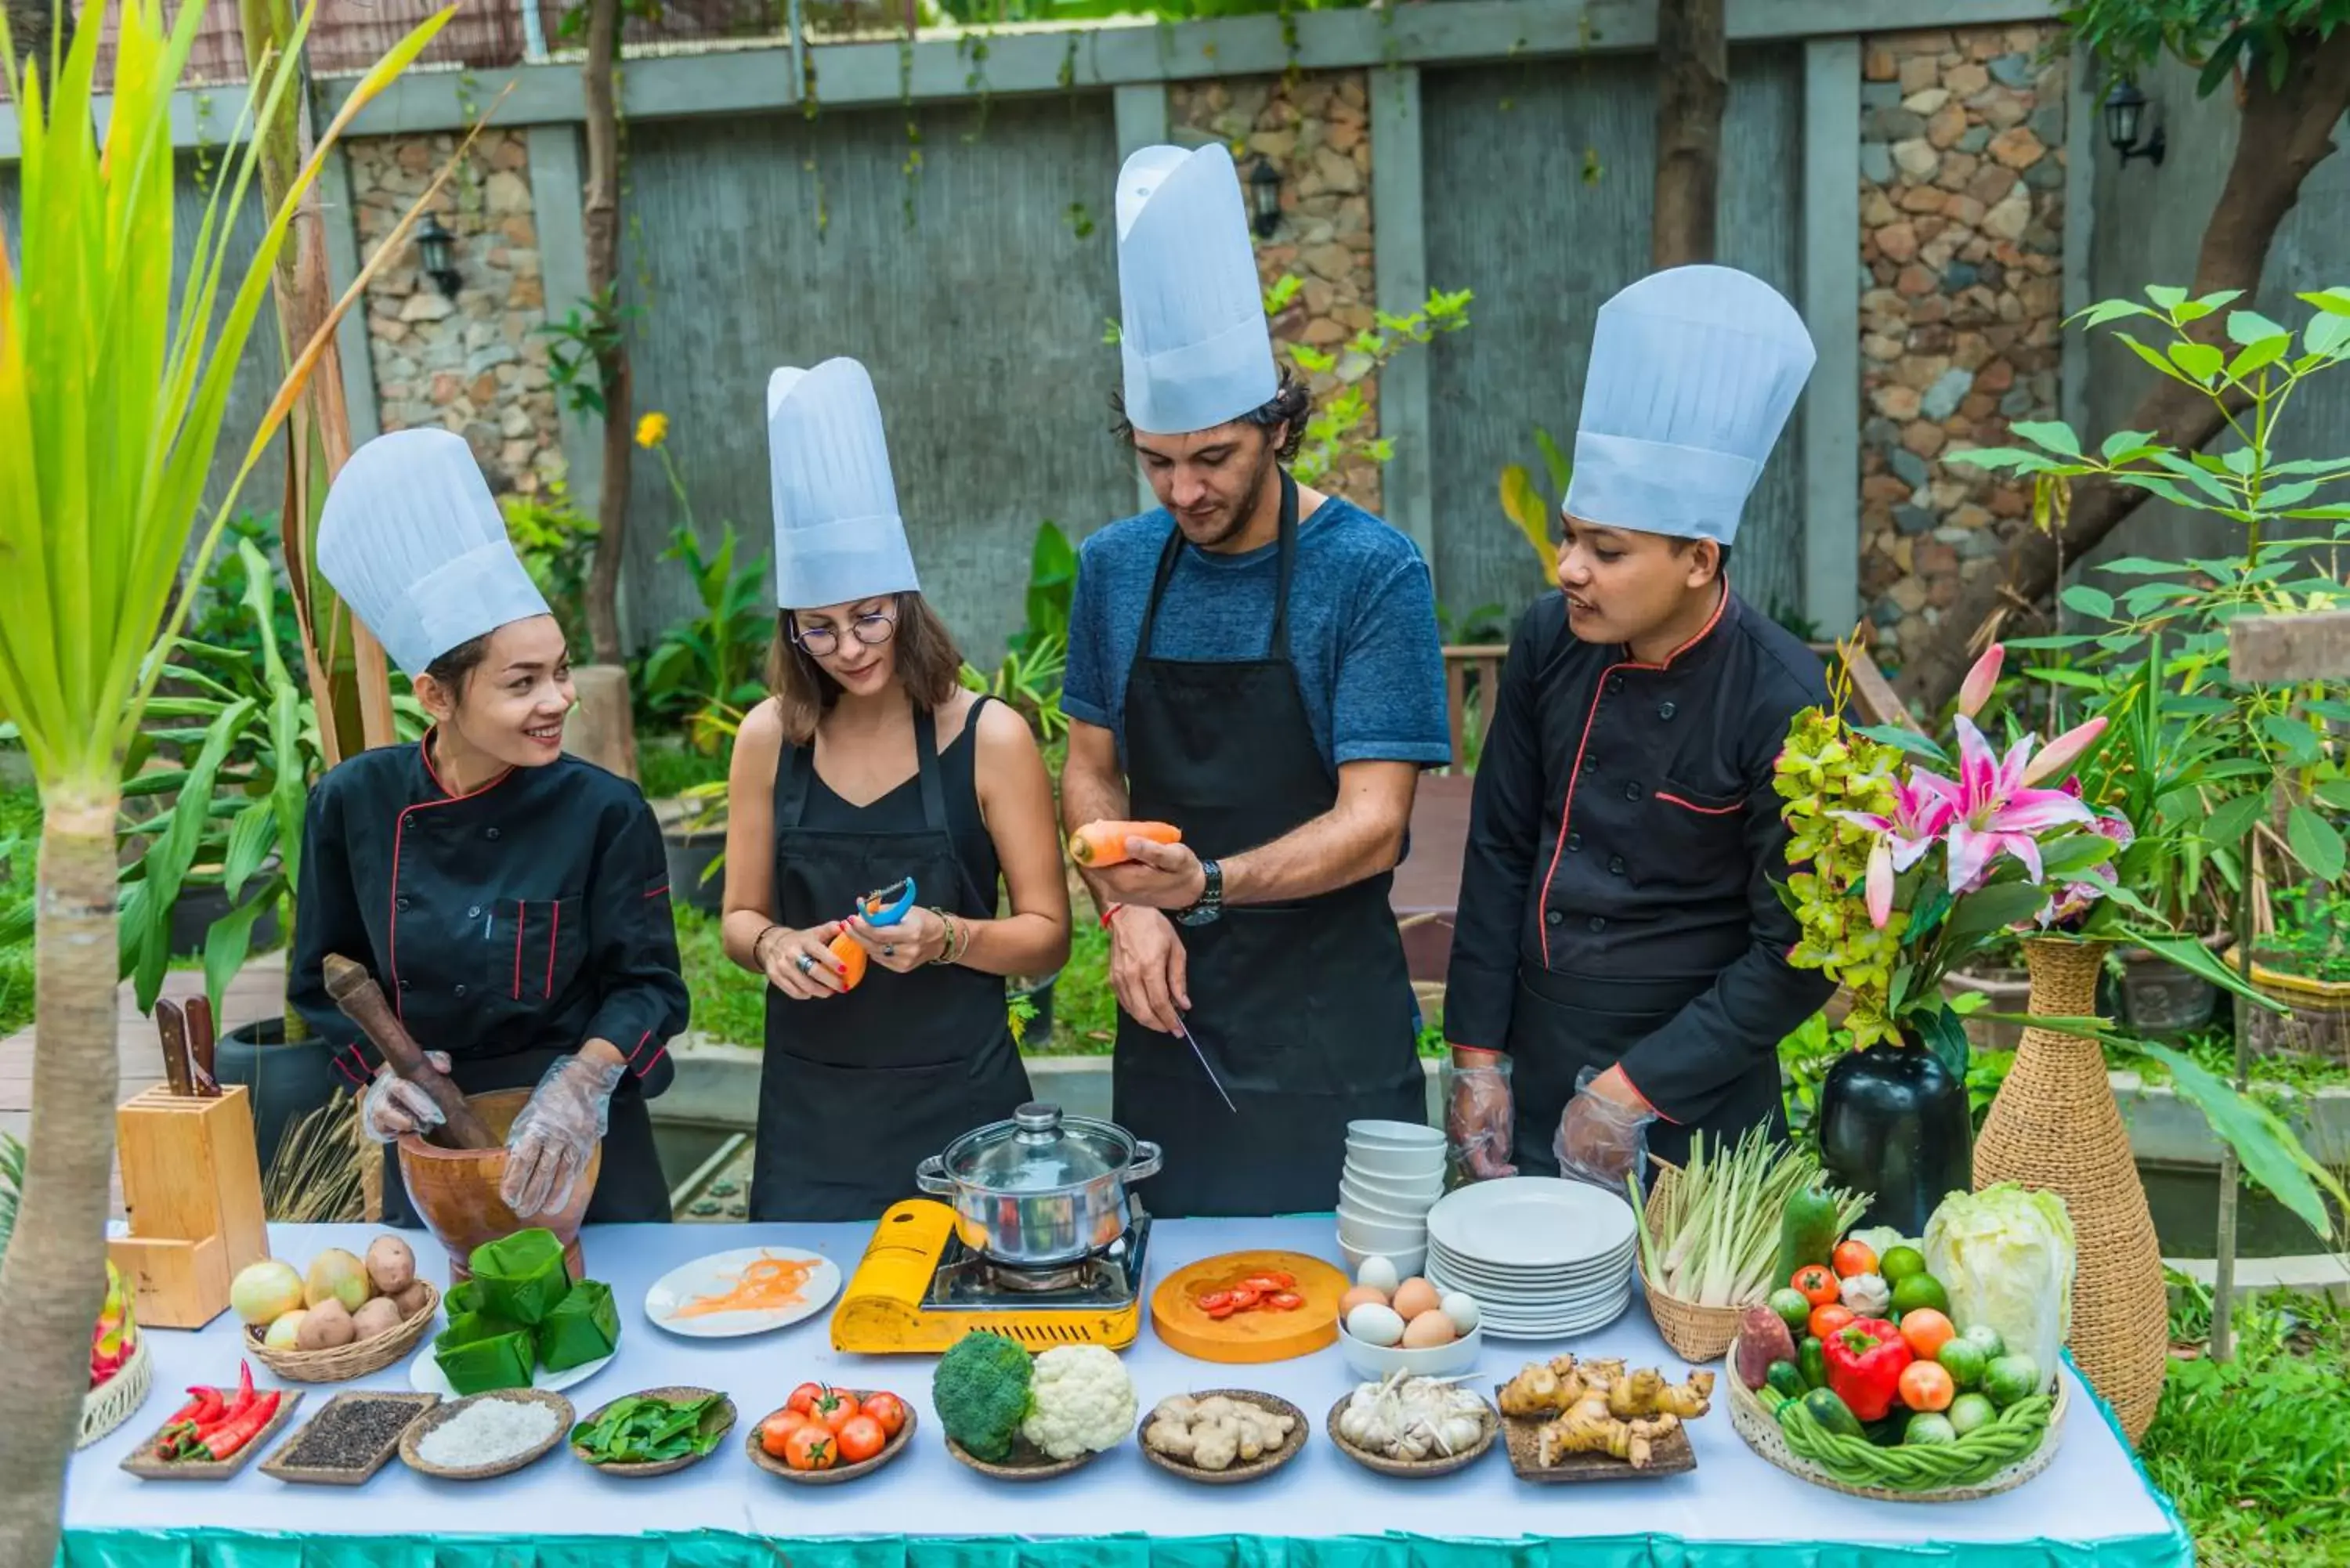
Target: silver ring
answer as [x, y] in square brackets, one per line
[806, 964]
[889, 950]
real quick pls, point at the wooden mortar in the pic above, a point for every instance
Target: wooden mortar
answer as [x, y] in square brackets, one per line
[455, 1190]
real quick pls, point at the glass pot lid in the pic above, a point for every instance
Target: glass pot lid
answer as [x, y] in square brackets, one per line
[1038, 1149]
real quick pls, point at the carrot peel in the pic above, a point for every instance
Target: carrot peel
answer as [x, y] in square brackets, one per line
[1104, 842]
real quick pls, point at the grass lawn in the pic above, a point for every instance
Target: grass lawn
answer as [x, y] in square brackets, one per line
[20, 851]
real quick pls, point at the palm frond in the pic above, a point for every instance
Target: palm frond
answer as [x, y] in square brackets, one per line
[12, 1187]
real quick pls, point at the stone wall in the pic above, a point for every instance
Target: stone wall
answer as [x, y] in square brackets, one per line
[1317, 131]
[1962, 200]
[477, 364]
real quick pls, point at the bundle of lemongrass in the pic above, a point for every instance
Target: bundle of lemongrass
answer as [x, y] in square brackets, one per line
[316, 1175]
[1714, 1240]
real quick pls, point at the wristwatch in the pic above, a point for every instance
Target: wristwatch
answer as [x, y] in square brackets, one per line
[1210, 902]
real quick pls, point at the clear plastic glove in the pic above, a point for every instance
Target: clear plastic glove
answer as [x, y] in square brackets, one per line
[1480, 1118]
[551, 1140]
[1602, 1140]
[394, 1107]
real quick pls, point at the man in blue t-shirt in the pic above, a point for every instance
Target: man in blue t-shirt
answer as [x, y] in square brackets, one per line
[1255, 664]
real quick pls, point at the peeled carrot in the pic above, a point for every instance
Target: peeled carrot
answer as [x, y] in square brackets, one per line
[1104, 842]
[852, 959]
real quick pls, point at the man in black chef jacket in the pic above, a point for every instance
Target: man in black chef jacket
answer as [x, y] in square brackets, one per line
[1619, 976]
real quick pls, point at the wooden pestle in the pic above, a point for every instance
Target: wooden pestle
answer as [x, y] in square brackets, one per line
[361, 999]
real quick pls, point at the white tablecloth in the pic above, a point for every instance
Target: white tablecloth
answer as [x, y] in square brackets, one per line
[2093, 1505]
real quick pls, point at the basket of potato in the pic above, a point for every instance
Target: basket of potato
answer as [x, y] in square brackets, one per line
[343, 1317]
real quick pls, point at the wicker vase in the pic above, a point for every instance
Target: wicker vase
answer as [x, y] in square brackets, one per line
[2054, 1126]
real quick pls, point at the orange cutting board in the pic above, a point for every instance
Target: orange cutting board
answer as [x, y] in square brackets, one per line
[1259, 1335]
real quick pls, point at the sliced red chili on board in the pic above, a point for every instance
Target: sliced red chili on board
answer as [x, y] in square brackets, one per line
[1244, 1298]
[1284, 1300]
[1214, 1299]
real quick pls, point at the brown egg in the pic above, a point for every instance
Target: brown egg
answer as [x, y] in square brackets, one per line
[1429, 1330]
[1358, 1295]
[1415, 1296]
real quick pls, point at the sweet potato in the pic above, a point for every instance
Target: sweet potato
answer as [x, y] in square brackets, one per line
[1762, 1338]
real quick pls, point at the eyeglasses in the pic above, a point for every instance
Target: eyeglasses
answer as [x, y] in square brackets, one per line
[820, 641]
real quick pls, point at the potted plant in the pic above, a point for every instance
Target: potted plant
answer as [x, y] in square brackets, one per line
[2303, 962]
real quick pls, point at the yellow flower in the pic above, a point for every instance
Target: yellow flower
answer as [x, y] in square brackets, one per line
[652, 430]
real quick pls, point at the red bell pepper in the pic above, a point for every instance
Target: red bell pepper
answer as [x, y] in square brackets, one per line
[1866, 1358]
[233, 1434]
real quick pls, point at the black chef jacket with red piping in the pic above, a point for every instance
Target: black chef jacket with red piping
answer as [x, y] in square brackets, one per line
[1624, 823]
[528, 917]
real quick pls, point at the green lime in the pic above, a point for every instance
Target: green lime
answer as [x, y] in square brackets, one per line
[1982, 1334]
[1920, 1291]
[1794, 1306]
[1900, 1262]
[1930, 1429]
[2010, 1379]
[1969, 1411]
[1964, 1360]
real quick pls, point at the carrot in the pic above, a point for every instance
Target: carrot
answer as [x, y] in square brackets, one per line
[852, 959]
[1104, 842]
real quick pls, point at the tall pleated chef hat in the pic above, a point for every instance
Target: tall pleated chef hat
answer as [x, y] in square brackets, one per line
[1198, 352]
[838, 535]
[1693, 373]
[412, 540]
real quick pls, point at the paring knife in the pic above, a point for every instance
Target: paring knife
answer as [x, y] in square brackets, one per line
[1185, 1031]
[173, 1025]
[199, 1010]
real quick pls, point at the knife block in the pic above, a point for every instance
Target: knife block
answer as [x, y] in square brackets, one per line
[192, 1184]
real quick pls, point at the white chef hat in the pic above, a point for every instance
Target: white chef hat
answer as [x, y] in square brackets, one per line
[1693, 373]
[1193, 336]
[838, 535]
[412, 540]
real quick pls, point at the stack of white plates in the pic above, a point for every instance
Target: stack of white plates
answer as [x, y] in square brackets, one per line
[1394, 1173]
[1543, 1259]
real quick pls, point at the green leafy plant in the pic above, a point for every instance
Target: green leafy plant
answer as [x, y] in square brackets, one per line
[2312, 936]
[12, 1187]
[1536, 514]
[557, 548]
[1037, 656]
[220, 614]
[1338, 430]
[706, 668]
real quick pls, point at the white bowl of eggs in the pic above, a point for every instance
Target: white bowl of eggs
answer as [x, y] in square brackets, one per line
[1388, 1325]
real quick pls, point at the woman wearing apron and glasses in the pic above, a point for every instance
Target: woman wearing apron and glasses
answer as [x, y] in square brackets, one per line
[512, 900]
[870, 764]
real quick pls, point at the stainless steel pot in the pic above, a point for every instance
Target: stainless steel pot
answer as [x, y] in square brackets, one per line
[1040, 1189]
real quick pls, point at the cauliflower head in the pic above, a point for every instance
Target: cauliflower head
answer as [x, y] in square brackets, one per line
[1081, 1402]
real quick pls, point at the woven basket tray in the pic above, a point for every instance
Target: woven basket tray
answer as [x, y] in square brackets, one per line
[1761, 1430]
[1696, 1333]
[347, 1361]
[116, 1399]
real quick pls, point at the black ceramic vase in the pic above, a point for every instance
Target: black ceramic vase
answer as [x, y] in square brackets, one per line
[1894, 1121]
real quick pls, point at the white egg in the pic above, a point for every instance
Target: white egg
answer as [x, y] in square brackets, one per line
[1375, 1324]
[1379, 1274]
[1461, 1310]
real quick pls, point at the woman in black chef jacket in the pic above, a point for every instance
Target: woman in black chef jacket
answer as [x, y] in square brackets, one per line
[511, 901]
[869, 763]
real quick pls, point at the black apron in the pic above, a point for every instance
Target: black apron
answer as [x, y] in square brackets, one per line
[1305, 1008]
[856, 1090]
[1562, 1023]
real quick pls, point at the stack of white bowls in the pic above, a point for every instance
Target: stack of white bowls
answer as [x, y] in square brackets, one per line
[1394, 1174]
[1546, 1258]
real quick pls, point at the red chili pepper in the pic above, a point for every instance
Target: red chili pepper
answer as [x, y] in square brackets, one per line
[209, 1406]
[225, 1442]
[196, 1403]
[243, 1401]
[1866, 1358]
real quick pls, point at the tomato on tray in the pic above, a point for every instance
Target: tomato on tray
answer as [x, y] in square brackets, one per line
[887, 1409]
[775, 1431]
[804, 1396]
[861, 1437]
[1817, 1284]
[811, 1447]
[835, 1409]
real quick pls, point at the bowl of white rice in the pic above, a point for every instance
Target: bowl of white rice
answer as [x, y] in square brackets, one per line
[488, 1435]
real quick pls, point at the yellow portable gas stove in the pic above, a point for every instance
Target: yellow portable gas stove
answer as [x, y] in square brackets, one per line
[920, 1288]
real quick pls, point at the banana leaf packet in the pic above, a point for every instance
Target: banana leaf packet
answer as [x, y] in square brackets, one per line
[585, 1327]
[640, 1430]
[520, 1277]
[478, 1353]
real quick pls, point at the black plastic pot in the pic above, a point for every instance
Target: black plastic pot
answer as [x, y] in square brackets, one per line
[2155, 996]
[198, 906]
[285, 1083]
[1894, 1121]
[1039, 1029]
[690, 854]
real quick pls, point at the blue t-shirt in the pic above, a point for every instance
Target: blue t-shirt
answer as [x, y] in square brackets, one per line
[1362, 627]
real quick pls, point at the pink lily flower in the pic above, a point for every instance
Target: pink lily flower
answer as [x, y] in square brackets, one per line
[1919, 815]
[1992, 812]
[2063, 751]
[1880, 883]
[1980, 681]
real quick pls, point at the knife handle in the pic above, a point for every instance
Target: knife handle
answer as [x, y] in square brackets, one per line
[172, 1026]
[200, 1045]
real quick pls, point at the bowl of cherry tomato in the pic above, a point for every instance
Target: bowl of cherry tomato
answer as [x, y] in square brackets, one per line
[822, 1435]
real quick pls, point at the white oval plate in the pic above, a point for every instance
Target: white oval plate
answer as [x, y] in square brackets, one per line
[1531, 1223]
[717, 1274]
[425, 1375]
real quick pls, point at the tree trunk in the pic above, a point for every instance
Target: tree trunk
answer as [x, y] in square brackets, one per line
[54, 1280]
[2286, 132]
[600, 218]
[1692, 87]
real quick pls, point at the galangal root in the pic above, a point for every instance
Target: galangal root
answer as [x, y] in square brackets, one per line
[1601, 1408]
